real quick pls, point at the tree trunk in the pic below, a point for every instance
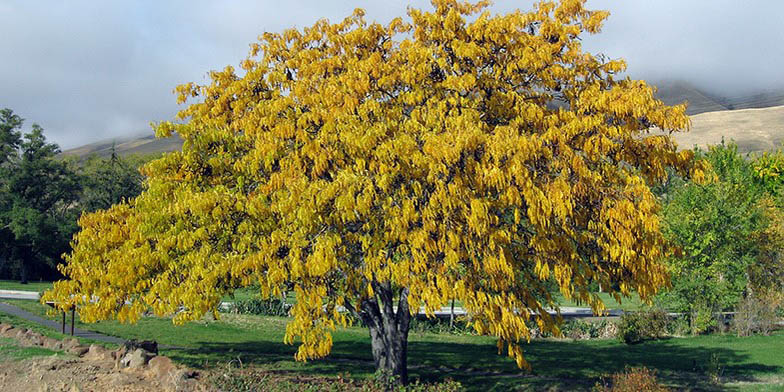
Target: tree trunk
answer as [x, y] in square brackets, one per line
[452, 315]
[388, 332]
[23, 266]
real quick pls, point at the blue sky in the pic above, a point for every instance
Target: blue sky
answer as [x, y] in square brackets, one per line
[93, 70]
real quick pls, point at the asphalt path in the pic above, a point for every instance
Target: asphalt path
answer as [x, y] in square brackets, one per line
[57, 325]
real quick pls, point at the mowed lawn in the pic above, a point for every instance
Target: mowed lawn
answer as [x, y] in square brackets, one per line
[30, 286]
[751, 363]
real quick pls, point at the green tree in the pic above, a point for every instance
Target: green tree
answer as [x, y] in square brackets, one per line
[378, 169]
[109, 181]
[717, 228]
[37, 203]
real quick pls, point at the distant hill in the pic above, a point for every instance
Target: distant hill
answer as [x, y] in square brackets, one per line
[754, 130]
[142, 145]
[755, 122]
[676, 92]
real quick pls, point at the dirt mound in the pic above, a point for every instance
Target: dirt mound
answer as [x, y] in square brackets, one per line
[93, 368]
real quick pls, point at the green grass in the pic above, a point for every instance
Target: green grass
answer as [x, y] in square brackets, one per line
[745, 363]
[627, 304]
[11, 351]
[30, 286]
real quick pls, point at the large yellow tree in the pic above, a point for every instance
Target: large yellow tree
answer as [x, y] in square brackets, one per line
[381, 169]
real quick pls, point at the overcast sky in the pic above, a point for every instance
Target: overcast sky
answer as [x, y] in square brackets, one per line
[93, 70]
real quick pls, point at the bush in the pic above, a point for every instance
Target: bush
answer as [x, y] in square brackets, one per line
[755, 315]
[632, 380]
[678, 326]
[636, 327]
[262, 307]
[579, 329]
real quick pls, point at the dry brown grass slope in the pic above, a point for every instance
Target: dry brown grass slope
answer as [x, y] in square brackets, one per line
[754, 130]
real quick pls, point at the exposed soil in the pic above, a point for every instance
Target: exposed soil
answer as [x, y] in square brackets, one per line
[81, 368]
[70, 373]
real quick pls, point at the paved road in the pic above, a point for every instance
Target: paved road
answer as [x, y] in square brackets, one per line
[57, 326]
[16, 294]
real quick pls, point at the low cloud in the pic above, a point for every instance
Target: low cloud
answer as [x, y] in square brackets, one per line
[89, 70]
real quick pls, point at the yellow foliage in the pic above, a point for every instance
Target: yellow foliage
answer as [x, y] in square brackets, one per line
[428, 154]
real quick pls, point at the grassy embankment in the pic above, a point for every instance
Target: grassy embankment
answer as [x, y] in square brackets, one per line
[741, 363]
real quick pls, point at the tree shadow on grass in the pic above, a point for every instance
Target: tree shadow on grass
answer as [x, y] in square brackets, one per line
[556, 365]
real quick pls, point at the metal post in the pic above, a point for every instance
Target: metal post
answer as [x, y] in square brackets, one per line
[63, 321]
[73, 310]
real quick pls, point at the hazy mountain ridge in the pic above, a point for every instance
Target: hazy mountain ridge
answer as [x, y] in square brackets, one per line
[754, 121]
[127, 146]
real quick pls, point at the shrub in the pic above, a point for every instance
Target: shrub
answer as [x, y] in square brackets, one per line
[636, 327]
[678, 326]
[579, 329]
[263, 307]
[702, 320]
[632, 380]
[755, 315]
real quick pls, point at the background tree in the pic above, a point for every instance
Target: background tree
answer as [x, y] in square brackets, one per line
[380, 168]
[728, 233]
[10, 139]
[109, 181]
[37, 203]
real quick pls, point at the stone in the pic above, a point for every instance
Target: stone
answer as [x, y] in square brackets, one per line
[98, 353]
[10, 332]
[119, 353]
[162, 367]
[20, 333]
[150, 346]
[52, 343]
[34, 340]
[70, 343]
[136, 358]
[78, 350]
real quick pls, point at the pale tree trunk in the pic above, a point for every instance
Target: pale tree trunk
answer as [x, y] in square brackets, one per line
[452, 315]
[388, 331]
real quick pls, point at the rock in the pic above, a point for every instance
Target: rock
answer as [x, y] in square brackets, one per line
[48, 364]
[99, 353]
[5, 327]
[10, 332]
[20, 333]
[33, 340]
[150, 346]
[52, 343]
[70, 343]
[136, 358]
[184, 380]
[162, 367]
[78, 350]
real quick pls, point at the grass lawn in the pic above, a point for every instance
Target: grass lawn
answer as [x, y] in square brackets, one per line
[742, 363]
[11, 351]
[30, 286]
